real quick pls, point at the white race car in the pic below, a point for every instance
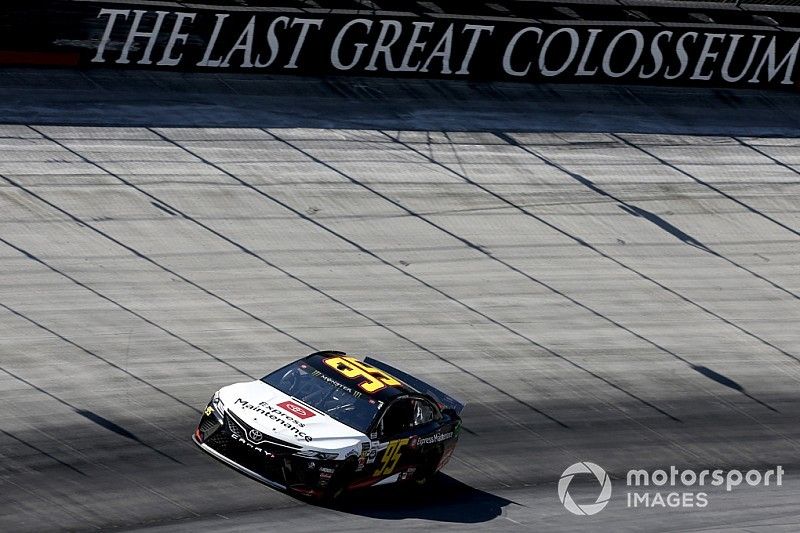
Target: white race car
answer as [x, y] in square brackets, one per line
[328, 423]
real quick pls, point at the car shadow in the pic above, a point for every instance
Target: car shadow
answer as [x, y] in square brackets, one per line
[443, 499]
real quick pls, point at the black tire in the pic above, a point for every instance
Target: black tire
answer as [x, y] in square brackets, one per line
[338, 483]
[427, 468]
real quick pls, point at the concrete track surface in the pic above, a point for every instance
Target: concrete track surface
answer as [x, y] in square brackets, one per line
[625, 298]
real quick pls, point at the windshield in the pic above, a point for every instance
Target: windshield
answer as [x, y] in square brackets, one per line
[325, 394]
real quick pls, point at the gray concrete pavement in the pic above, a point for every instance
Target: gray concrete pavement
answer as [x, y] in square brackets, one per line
[629, 299]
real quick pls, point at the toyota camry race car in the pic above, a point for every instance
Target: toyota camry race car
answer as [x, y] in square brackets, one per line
[328, 423]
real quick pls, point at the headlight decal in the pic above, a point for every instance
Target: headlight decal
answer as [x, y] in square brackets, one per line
[217, 407]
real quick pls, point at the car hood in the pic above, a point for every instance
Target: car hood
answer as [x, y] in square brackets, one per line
[278, 415]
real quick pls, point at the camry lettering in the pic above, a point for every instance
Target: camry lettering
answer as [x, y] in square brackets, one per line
[240, 440]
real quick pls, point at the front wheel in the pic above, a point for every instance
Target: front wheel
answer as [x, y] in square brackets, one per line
[338, 483]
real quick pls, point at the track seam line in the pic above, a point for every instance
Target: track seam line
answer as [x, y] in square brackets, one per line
[705, 184]
[484, 252]
[372, 254]
[609, 257]
[121, 306]
[255, 255]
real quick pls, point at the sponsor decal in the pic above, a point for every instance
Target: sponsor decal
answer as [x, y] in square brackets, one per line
[335, 383]
[325, 475]
[408, 474]
[438, 437]
[276, 415]
[373, 452]
[362, 457]
[297, 410]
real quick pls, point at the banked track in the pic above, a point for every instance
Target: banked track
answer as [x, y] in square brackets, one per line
[621, 295]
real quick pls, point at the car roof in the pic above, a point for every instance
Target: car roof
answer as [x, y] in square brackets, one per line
[384, 395]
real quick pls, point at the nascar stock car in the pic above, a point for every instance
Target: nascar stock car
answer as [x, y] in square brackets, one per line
[328, 422]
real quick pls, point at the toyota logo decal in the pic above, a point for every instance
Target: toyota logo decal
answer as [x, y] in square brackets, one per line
[297, 410]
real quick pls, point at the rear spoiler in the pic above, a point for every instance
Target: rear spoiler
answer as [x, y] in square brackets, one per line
[443, 399]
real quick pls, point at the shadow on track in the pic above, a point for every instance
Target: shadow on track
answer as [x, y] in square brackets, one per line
[444, 499]
[119, 430]
[728, 382]
[182, 99]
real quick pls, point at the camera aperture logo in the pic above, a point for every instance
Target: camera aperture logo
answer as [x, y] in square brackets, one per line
[584, 468]
[667, 488]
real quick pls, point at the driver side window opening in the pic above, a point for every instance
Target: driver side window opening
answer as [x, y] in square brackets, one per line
[423, 412]
[398, 418]
[406, 414]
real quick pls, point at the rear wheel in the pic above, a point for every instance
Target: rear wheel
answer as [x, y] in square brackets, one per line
[427, 468]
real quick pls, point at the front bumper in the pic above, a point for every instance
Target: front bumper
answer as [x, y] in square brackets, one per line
[268, 461]
[255, 475]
